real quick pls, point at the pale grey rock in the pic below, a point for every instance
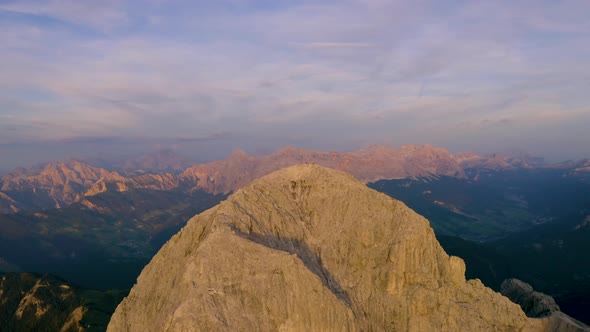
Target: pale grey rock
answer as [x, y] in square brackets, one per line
[311, 249]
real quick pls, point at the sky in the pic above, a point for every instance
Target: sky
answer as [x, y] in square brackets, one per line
[101, 78]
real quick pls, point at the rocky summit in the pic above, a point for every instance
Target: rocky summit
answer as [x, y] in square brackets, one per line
[308, 248]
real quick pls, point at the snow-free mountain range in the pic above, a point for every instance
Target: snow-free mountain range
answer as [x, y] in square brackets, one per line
[58, 184]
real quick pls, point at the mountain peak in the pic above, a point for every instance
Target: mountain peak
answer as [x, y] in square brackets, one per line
[158, 161]
[309, 173]
[290, 149]
[308, 237]
[238, 153]
[57, 183]
[376, 162]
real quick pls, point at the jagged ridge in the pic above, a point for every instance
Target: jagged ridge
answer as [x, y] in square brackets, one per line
[59, 184]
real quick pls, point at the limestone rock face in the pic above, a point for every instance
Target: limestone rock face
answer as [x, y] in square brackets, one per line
[311, 249]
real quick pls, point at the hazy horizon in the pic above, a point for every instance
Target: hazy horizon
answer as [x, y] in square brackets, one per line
[111, 154]
[110, 78]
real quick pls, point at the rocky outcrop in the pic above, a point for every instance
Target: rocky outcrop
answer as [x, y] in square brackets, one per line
[40, 303]
[534, 304]
[311, 249]
[30, 302]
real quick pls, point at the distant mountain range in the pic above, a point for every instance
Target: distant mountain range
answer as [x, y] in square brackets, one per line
[508, 216]
[164, 160]
[58, 184]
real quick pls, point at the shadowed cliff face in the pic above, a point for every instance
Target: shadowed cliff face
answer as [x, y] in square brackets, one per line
[311, 249]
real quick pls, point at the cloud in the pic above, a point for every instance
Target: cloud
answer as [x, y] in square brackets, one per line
[101, 15]
[335, 44]
[108, 140]
[257, 69]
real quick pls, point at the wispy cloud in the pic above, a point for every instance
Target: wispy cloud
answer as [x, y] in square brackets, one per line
[388, 71]
[335, 44]
[102, 15]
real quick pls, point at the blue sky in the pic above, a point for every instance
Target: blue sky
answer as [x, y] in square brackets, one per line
[100, 77]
